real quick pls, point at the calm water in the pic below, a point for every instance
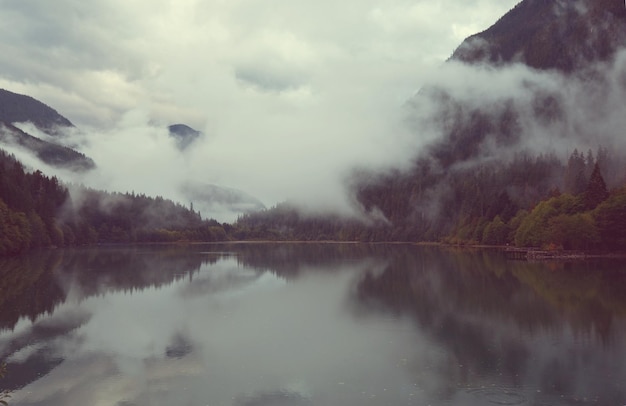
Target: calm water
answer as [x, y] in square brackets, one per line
[260, 325]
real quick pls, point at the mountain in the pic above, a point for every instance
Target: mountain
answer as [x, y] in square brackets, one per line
[507, 122]
[48, 152]
[499, 129]
[184, 135]
[575, 39]
[565, 35]
[17, 108]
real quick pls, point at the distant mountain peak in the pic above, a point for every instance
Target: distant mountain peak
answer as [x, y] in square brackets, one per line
[184, 135]
[564, 35]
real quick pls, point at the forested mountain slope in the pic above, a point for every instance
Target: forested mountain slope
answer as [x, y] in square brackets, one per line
[18, 108]
[527, 110]
[38, 211]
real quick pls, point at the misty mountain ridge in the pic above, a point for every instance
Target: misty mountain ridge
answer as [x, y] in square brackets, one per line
[50, 153]
[565, 35]
[518, 98]
[503, 125]
[17, 108]
[219, 202]
[544, 73]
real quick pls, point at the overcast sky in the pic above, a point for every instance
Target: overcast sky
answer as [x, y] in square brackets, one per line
[295, 86]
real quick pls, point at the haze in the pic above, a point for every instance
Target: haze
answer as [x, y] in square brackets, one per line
[290, 94]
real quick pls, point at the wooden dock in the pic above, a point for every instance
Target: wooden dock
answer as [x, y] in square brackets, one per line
[530, 254]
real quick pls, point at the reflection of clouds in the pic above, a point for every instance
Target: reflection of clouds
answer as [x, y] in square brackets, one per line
[97, 380]
[241, 336]
[28, 336]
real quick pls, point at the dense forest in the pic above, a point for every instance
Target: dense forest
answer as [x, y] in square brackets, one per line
[37, 211]
[528, 202]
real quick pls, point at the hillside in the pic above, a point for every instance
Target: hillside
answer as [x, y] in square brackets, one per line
[38, 211]
[530, 108]
[18, 108]
[551, 34]
[48, 152]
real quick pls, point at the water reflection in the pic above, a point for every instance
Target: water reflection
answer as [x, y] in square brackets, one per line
[310, 324]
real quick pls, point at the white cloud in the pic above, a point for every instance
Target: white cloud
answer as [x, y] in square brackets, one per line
[290, 93]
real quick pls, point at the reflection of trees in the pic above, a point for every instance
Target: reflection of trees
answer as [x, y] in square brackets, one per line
[34, 285]
[589, 294]
[289, 259]
[28, 287]
[5, 394]
[130, 268]
[487, 312]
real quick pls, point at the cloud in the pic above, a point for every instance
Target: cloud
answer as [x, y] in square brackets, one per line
[291, 95]
[115, 54]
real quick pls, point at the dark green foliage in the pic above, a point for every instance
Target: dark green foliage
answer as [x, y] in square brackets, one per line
[29, 203]
[596, 191]
[496, 232]
[610, 217]
[125, 218]
[36, 211]
[484, 203]
[534, 231]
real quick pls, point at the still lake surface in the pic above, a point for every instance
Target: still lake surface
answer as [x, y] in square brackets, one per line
[309, 324]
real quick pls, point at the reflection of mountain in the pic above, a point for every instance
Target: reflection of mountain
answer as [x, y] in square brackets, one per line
[97, 269]
[289, 260]
[34, 286]
[32, 351]
[474, 329]
[492, 314]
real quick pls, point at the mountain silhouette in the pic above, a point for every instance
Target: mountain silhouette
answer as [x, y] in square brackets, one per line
[565, 35]
[17, 108]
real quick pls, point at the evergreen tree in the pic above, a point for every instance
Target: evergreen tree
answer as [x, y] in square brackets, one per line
[596, 191]
[575, 179]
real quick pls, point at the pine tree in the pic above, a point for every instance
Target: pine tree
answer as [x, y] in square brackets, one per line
[596, 191]
[575, 179]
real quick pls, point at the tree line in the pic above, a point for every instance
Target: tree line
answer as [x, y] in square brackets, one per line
[530, 201]
[38, 211]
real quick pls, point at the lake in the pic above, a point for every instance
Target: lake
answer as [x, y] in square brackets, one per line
[309, 324]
